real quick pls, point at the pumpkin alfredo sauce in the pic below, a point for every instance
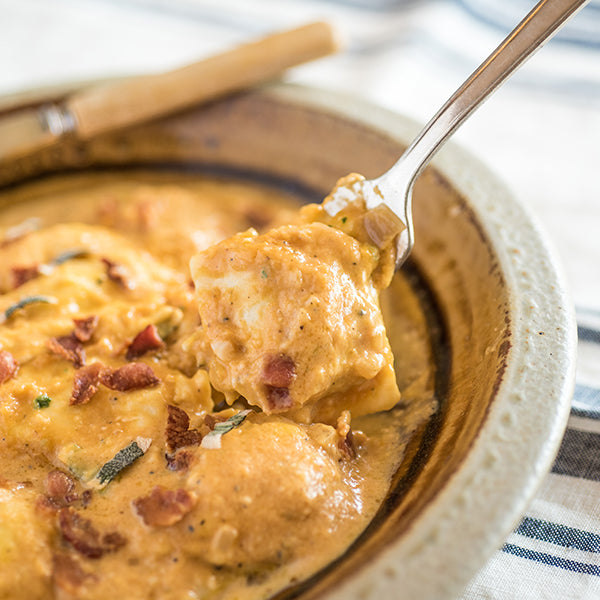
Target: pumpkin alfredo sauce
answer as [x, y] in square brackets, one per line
[198, 395]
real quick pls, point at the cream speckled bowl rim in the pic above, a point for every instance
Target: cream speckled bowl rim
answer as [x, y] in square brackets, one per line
[471, 516]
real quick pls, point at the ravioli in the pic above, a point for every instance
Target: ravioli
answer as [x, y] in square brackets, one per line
[291, 322]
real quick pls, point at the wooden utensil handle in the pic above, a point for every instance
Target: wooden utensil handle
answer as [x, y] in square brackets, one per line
[139, 99]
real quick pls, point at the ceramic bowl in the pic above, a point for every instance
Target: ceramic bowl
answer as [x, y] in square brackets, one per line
[506, 372]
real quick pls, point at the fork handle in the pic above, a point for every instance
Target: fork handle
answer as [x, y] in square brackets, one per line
[530, 34]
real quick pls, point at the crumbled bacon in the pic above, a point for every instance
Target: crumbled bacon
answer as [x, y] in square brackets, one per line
[278, 398]
[86, 383]
[146, 340]
[279, 370]
[84, 328]
[60, 492]
[179, 461]
[8, 366]
[163, 507]
[346, 445]
[59, 484]
[48, 506]
[22, 275]
[68, 575]
[117, 273]
[69, 347]
[132, 376]
[178, 432]
[211, 420]
[84, 537]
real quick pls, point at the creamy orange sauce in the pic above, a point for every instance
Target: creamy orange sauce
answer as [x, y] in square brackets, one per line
[102, 263]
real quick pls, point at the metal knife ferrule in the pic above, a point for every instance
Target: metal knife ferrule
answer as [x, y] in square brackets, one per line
[57, 120]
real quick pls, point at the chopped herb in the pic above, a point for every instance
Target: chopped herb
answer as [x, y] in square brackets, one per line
[264, 274]
[212, 439]
[8, 313]
[344, 219]
[42, 401]
[170, 324]
[68, 255]
[122, 459]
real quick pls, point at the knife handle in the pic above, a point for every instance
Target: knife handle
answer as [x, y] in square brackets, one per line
[123, 103]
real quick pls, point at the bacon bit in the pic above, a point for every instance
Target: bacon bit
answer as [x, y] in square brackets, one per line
[86, 383]
[179, 461]
[84, 328]
[50, 505]
[146, 340]
[209, 423]
[47, 506]
[114, 540]
[178, 433]
[84, 537]
[68, 575]
[117, 273]
[279, 398]
[59, 484]
[22, 275]
[211, 420]
[279, 370]
[69, 347]
[346, 446]
[86, 498]
[133, 376]
[163, 507]
[8, 366]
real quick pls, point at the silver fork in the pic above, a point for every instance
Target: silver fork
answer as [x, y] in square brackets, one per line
[394, 187]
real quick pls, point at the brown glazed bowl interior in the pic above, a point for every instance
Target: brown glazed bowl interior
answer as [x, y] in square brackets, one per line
[504, 329]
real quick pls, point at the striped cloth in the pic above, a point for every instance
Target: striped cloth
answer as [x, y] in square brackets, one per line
[540, 134]
[554, 552]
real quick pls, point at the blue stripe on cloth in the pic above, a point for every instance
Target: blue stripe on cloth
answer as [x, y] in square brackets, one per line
[579, 455]
[587, 334]
[585, 413]
[554, 561]
[568, 537]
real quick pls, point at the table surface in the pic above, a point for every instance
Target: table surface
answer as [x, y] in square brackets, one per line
[540, 134]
